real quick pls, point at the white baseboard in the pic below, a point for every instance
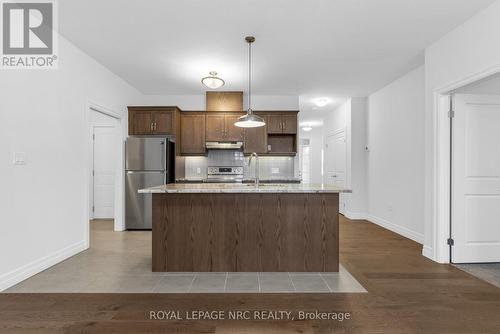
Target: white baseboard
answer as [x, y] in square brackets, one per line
[428, 253]
[20, 274]
[355, 215]
[405, 232]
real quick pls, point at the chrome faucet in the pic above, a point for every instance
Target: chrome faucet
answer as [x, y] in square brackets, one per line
[256, 166]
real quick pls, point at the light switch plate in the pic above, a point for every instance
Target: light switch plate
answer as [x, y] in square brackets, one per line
[19, 158]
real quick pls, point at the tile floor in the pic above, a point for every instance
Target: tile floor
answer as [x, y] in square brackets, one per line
[489, 272]
[120, 262]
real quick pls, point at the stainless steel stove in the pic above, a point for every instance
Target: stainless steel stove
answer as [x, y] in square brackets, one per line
[224, 174]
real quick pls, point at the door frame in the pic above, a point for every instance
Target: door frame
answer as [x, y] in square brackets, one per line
[439, 250]
[90, 108]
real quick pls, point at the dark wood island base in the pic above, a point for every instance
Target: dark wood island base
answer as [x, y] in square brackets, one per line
[245, 232]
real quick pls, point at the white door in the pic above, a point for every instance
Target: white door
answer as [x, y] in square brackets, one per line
[104, 172]
[476, 179]
[336, 163]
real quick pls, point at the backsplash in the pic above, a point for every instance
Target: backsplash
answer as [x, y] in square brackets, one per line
[269, 167]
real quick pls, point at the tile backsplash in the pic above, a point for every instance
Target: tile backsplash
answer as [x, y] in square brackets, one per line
[269, 167]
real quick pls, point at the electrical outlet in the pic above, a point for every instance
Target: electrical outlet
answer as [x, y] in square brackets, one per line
[19, 158]
[275, 170]
[198, 170]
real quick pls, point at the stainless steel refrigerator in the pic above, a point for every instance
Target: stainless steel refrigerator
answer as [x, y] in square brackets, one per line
[149, 162]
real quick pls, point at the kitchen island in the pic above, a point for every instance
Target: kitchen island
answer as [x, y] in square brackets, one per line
[245, 228]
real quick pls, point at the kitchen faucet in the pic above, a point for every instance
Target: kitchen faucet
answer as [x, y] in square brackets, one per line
[256, 166]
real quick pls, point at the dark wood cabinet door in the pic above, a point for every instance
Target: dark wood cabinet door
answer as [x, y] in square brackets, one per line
[256, 139]
[215, 127]
[232, 132]
[193, 134]
[289, 124]
[274, 124]
[140, 123]
[164, 122]
[224, 101]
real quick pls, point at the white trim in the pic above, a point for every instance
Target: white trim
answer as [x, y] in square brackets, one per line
[401, 230]
[103, 110]
[427, 252]
[119, 223]
[20, 274]
[405, 232]
[441, 174]
[355, 215]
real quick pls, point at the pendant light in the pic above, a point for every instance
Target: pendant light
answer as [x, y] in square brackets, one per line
[250, 120]
[213, 81]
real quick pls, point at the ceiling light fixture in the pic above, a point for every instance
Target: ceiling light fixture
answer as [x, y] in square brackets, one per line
[321, 102]
[307, 128]
[213, 81]
[250, 120]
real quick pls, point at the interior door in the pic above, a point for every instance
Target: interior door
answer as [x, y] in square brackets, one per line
[104, 171]
[476, 179]
[336, 163]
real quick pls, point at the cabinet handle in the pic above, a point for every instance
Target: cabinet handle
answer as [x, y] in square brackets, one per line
[156, 126]
[151, 126]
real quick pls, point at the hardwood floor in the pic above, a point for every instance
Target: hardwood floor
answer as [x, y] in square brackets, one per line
[407, 293]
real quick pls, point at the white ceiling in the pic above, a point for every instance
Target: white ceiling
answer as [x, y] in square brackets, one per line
[314, 48]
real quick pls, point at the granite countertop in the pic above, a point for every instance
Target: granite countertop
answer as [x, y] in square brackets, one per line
[246, 180]
[175, 188]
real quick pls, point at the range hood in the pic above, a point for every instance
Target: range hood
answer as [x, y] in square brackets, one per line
[224, 145]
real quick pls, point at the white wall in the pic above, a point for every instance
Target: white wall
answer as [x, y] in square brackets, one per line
[197, 102]
[316, 144]
[396, 155]
[44, 204]
[468, 53]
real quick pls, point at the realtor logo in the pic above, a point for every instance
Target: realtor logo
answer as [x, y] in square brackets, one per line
[28, 34]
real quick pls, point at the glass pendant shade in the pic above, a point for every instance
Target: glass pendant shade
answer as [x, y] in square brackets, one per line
[213, 81]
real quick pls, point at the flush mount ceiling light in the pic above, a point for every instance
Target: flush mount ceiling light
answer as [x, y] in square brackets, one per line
[250, 120]
[321, 102]
[307, 128]
[213, 81]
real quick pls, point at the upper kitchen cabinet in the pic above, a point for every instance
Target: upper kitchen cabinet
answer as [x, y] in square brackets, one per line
[220, 127]
[224, 101]
[192, 140]
[256, 139]
[233, 133]
[152, 120]
[282, 122]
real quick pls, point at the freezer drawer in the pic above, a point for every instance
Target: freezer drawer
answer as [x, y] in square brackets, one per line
[138, 206]
[145, 154]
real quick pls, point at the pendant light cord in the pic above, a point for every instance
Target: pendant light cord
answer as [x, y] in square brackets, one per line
[250, 76]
